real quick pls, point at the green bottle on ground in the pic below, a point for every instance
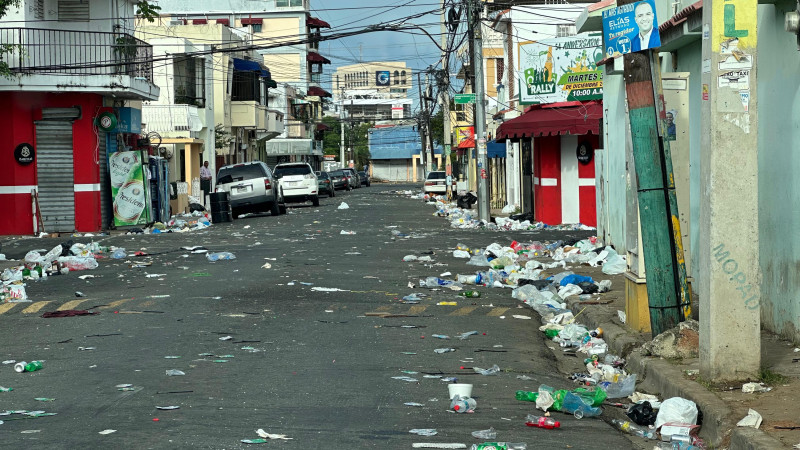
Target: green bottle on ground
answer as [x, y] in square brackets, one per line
[470, 294]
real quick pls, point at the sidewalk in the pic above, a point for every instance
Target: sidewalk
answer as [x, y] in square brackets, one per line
[721, 406]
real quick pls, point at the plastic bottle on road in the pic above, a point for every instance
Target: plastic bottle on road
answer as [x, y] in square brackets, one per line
[119, 253]
[500, 446]
[491, 433]
[542, 422]
[470, 294]
[463, 404]
[676, 445]
[575, 405]
[630, 428]
[527, 396]
[27, 366]
[220, 256]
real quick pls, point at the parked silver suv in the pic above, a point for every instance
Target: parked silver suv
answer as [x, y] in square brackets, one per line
[251, 186]
[298, 182]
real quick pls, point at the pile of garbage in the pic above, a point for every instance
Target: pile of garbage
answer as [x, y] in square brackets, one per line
[181, 223]
[40, 264]
[461, 215]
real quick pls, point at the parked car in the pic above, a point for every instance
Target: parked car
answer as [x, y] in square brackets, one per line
[298, 182]
[325, 184]
[340, 180]
[435, 182]
[364, 178]
[251, 186]
[356, 182]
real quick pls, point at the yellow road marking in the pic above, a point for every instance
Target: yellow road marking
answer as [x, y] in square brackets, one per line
[4, 307]
[497, 312]
[416, 309]
[71, 304]
[34, 308]
[463, 311]
[115, 303]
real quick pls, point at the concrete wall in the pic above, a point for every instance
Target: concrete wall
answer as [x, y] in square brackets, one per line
[612, 183]
[286, 67]
[100, 12]
[778, 161]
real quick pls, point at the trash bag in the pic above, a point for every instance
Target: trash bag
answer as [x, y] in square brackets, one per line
[523, 216]
[678, 410]
[538, 284]
[615, 265]
[65, 248]
[196, 207]
[642, 414]
[621, 388]
[588, 287]
[467, 200]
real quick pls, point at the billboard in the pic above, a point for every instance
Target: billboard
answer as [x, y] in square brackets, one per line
[382, 78]
[128, 189]
[630, 28]
[561, 69]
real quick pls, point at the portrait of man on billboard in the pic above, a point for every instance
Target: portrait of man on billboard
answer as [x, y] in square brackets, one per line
[644, 16]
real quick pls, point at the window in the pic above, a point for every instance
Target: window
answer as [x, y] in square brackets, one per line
[73, 11]
[500, 64]
[255, 28]
[190, 84]
[566, 30]
[288, 3]
[39, 10]
[403, 77]
[396, 77]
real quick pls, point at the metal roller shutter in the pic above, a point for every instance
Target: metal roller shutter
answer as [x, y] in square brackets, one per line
[54, 170]
[106, 206]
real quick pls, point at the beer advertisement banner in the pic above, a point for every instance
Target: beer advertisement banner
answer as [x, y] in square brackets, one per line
[561, 69]
[128, 188]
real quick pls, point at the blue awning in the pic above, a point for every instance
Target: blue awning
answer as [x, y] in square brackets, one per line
[245, 65]
[495, 149]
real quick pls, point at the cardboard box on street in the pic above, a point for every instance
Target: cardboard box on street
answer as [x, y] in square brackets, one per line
[180, 205]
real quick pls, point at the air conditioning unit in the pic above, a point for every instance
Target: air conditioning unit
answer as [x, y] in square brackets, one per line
[177, 22]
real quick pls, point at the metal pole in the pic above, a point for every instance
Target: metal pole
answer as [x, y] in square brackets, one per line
[341, 122]
[480, 115]
[421, 120]
[445, 101]
[428, 113]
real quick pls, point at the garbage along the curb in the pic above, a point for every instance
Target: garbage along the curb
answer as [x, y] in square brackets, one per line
[27, 366]
[500, 446]
[463, 405]
[220, 256]
[541, 422]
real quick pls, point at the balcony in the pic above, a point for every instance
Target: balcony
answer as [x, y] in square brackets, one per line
[90, 57]
[249, 114]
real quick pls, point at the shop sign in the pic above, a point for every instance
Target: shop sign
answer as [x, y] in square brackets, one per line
[561, 69]
[585, 153]
[24, 154]
[128, 188]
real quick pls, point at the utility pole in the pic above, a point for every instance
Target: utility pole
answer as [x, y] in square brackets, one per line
[428, 115]
[658, 212]
[473, 15]
[444, 90]
[341, 121]
[422, 111]
[729, 277]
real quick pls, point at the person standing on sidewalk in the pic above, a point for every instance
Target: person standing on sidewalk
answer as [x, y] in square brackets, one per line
[205, 180]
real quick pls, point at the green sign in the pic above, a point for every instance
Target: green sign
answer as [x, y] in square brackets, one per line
[464, 99]
[128, 189]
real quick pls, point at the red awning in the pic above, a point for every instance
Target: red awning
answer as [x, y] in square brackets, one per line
[554, 119]
[315, 57]
[318, 92]
[199, 21]
[224, 22]
[313, 22]
[252, 21]
[467, 143]
[322, 127]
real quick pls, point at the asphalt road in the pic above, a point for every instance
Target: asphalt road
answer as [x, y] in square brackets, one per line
[314, 365]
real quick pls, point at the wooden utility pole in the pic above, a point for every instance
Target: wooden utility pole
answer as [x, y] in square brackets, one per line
[421, 121]
[473, 16]
[658, 215]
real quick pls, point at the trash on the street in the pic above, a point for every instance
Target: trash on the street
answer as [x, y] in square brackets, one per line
[463, 405]
[752, 419]
[424, 431]
[44, 399]
[27, 366]
[491, 433]
[5, 389]
[261, 433]
[541, 422]
[175, 372]
[220, 256]
[68, 313]
[459, 389]
[490, 371]
[109, 431]
[679, 432]
[444, 350]
[168, 408]
[677, 409]
[438, 445]
[347, 232]
[413, 404]
[343, 205]
[749, 388]
[627, 427]
[642, 414]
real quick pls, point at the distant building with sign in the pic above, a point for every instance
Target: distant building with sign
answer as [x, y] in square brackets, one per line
[373, 91]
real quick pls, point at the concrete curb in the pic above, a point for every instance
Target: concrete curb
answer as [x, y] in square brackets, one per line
[669, 381]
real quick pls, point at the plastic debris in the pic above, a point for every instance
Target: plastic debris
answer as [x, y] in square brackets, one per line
[752, 419]
[413, 404]
[168, 408]
[343, 205]
[220, 256]
[490, 371]
[438, 445]
[749, 388]
[174, 372]
[424, 431]
[347, 232]
[679, 410]
[261, 433]
[109, 431]
[444, 350]
[491, 433]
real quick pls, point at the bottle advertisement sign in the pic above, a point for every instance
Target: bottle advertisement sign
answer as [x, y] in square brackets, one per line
[561, 69]
[128, 188]
[630, 28]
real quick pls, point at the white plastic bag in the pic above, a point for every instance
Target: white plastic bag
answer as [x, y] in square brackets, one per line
[678, 410]
[460, 254]
[615, 265]
[569, 290]
[343, 205]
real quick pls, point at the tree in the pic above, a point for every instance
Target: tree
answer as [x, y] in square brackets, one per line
[437, 127]
[355, 137]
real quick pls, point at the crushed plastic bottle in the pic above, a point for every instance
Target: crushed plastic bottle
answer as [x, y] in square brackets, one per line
[490, 371]
[542, 422]
[118, 253]
[220, 256]
[27, 366]
[500, 446]
[463, 404]
[491, 433]
[630, 428]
